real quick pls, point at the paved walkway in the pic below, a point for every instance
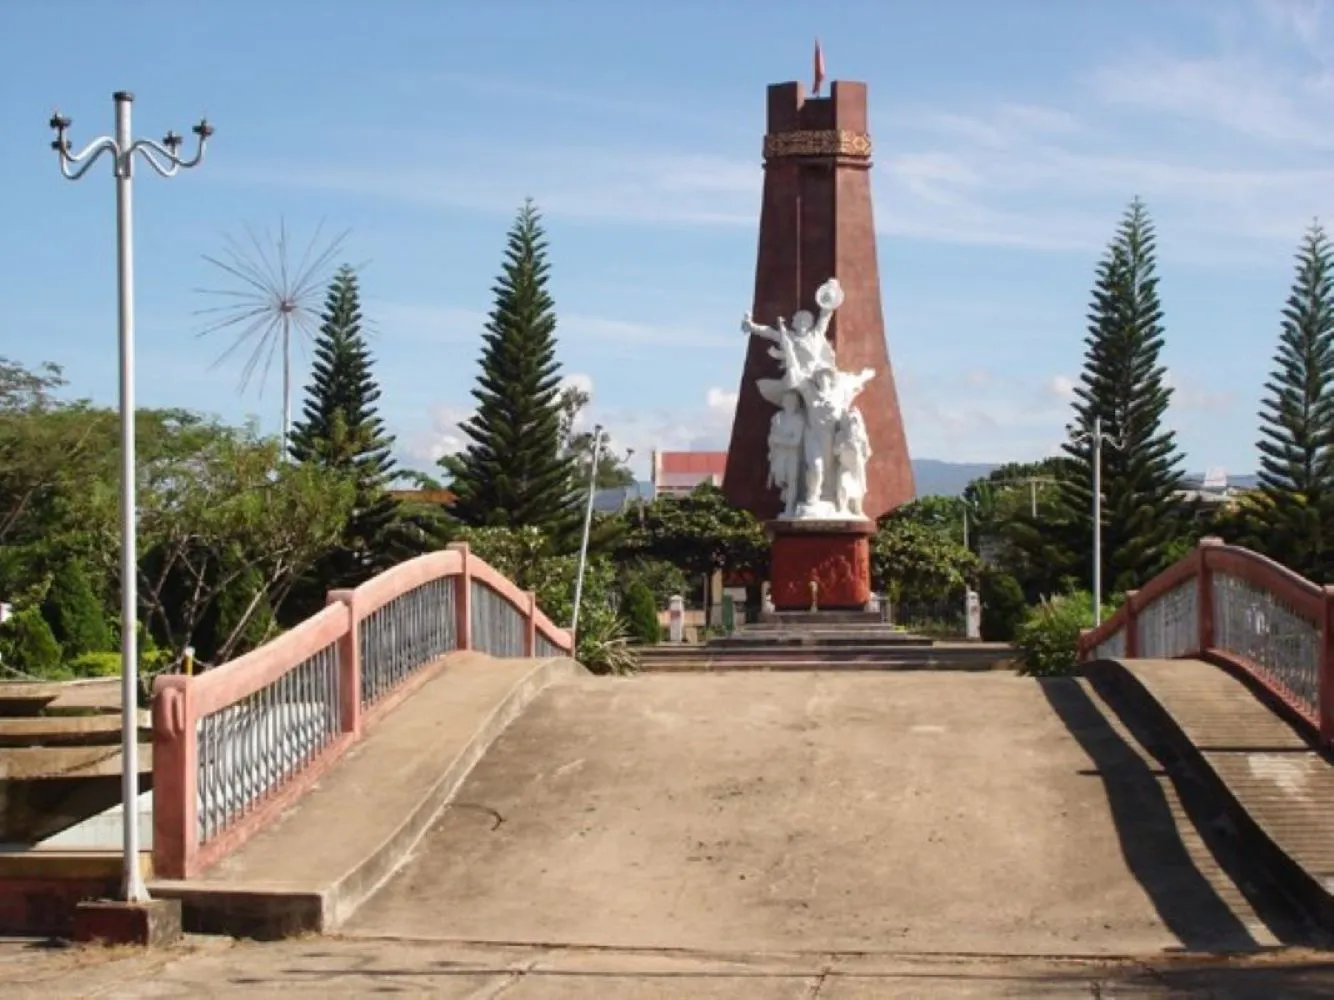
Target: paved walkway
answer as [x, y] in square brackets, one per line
[816, 835]
[358, 968]
[927, 812]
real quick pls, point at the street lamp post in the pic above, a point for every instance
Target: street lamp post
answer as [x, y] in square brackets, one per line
[1096, 440]
[162, 157]
[588, 523]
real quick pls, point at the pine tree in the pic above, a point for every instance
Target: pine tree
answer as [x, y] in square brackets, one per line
[1297, 422]
[513, 473]
[1124, 385]
[77, 618]
[341, 430]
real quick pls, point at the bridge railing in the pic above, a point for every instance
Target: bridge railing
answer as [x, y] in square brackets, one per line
[234, 746]
[1236, 606]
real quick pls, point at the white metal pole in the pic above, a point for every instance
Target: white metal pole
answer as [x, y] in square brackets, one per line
[588, 523]
[1033, 496]
[164, 159]
[133, 883]
[287, 386]
[1097, 521]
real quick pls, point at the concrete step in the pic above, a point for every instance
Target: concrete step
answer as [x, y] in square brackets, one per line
[32, 763]
[64, 730]
[834, 653]
[819, 617]
[730, 664]
[941, 656]
[881, 638]
[29, 698]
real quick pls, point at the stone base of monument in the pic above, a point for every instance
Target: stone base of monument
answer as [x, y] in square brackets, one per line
[820, 565]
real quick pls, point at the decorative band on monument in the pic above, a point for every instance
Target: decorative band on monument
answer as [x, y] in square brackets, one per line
[828, 142]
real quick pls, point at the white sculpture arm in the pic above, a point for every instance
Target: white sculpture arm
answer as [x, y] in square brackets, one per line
[749, 326]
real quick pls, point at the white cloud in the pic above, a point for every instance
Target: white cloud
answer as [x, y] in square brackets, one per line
[434, 324]
[1189, 396]
[992, 172]
[446, 324]
[441, 435]
[593, 184]
[686, 428]
[1062, 387]
[1005, 419]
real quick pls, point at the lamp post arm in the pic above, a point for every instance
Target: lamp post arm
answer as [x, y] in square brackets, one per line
[83, 160]
[152, 150]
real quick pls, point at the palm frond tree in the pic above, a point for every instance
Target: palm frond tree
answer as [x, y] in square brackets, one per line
[271, 298]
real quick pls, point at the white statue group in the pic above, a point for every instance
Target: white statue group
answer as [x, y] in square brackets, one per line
[818, 446]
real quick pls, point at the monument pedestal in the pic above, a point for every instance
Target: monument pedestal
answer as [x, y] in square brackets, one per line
[836, 554]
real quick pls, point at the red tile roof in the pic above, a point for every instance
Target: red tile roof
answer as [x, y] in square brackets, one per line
[696, 462]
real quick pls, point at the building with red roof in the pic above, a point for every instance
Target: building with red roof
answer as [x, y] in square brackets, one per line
[677, 473]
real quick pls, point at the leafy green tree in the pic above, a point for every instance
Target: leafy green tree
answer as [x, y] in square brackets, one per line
[1018, 495]
[27, 645]
[513, 472]
[936, 513]
[663, 579]
[918, 563]
[700, 533]
[578, 446]
[641, 614]
[1297, 422]
[1003, 606]
[74, 612]
[341, 429]
[1124, 385]
[218, 508]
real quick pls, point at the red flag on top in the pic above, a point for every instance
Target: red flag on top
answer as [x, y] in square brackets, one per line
[819, 70]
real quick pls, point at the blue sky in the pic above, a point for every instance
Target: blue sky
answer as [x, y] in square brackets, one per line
[1009, 138]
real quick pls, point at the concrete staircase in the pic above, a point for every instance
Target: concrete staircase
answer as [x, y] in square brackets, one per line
[60, 759]
[824, 640]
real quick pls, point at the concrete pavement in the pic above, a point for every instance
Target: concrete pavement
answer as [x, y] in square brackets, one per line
[355, 968]
[829, 836]
[838, 812]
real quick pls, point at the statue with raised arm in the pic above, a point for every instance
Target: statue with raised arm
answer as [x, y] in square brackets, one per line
[806, 342]
[818, 444]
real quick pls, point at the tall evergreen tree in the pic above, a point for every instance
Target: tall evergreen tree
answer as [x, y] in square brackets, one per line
[340, 429]
[1297, 422]
[1124, 385]
[513, 472]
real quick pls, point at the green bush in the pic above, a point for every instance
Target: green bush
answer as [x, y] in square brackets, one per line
[26, 644]
[663, 579]
[640, 611]
[1048, 638]
[77, 619]
[95, 665]
[604, 646]
[1003, 606]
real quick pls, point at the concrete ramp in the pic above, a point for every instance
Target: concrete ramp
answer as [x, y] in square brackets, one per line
[921, 812]
[308, 870]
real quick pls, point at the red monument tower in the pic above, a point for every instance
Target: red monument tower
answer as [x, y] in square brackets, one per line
[816, 223]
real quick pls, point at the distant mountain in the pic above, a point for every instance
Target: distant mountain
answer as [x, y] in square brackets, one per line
[950, 479]
[947, 479]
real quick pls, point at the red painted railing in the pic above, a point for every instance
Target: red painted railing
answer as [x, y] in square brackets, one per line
[1234, 606]
[234, 746]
